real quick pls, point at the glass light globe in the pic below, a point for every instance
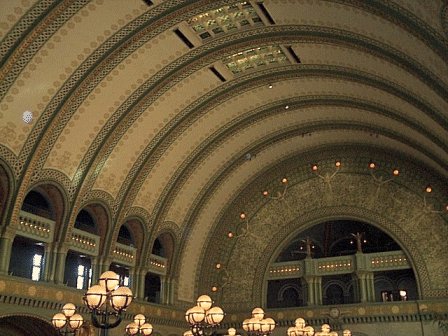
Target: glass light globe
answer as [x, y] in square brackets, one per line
[195, 315]
[270, 323]
[291, 331]
[300, 323]
[75, 321]
[95, 296]
[187, 315]
[214, 316]
[309, 331]
[231, 332]
[205, 302]
[140, 319]
[264, 326]
[325, 328]
[246, 324]
[59, 320]
[188, 333]
[146, 328]
[254, 324]
[267, 325]
[121, 298]
[258, 313]
[109, 280]
[132, 328]
[69, 309]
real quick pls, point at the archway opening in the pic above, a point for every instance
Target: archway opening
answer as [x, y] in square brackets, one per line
[342, 262]
[25, 325]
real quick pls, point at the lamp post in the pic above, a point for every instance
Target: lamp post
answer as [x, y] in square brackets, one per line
[258, 325]
[67, 322]
[139, 326]
[203, 316]
[107, 300]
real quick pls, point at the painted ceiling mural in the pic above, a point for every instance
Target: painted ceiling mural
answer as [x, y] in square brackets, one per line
[181, 113]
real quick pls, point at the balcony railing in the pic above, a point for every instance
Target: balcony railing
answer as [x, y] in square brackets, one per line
[373, 262]
[36, 227]
[85, 242]
[158, 265]
[124, 254]
[388, 261]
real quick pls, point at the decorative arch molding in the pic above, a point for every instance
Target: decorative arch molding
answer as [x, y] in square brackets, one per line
[393, 213]
[9, 159]
[7, 185]
[143, 214]
[56, 176]
[444, 17]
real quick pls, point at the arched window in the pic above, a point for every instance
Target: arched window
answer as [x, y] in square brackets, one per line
[158, 249]
[125, 236]
[84, 221]
[36, 204]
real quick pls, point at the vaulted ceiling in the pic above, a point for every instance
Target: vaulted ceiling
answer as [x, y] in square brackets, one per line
[169, 110]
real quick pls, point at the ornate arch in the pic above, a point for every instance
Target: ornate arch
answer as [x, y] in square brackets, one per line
[395, 211]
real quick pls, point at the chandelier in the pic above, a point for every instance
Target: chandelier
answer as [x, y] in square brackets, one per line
[300, 329]
[203, 317]
[139, 326]
[258, 325]
[67, 322]
[107, 300]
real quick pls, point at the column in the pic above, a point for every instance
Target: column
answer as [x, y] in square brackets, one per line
[370, 286]
[318, 290]
[168, 286]
[5, 252]
[59, 258]
[366, 286]
[103, 265]
[95, 269]
[163, 290]
[49, 262]
[314, 290]
[141, 283]
[133, 281]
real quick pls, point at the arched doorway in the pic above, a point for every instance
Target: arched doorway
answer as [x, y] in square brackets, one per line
[25, 325]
